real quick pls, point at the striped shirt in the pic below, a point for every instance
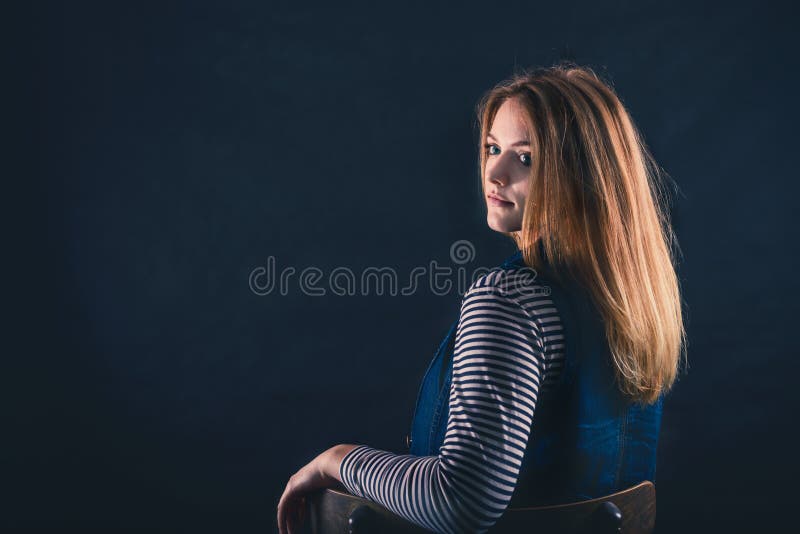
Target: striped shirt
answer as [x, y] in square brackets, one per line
[509, 347]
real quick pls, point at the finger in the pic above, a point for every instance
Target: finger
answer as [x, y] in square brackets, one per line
[298, 524]
[303, 511]
[283, 509]
[281, 516]
[291, 519]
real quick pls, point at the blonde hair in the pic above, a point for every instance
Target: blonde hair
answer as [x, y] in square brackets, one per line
[596, 201]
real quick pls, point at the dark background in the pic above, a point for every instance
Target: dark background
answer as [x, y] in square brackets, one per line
[158, 154]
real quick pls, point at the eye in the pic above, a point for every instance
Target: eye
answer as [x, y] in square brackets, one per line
[490, 149]
[525, 159]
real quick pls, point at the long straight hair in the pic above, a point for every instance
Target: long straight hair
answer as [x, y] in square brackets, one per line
[596, 201]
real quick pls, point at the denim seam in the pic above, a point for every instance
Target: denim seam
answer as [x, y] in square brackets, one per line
[623, 429]
[437, 415]
[437, 356]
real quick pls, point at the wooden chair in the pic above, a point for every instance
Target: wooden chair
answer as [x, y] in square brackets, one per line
[631, 511]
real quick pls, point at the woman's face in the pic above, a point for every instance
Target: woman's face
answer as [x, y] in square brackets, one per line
[508, 162]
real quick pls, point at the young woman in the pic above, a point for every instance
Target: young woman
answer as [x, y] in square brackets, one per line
[547, 388]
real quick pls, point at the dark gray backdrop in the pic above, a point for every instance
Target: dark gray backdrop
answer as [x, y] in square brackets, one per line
[166, 151]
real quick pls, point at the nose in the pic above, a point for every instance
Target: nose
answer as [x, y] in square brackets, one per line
[498, 175]
[501, 169]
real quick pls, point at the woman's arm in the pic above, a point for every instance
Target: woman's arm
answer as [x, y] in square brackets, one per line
[498, 366]
[321, 472]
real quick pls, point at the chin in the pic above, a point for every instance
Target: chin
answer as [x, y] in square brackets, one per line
[502, 226]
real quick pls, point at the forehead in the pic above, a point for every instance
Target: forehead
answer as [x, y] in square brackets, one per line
[509, 120]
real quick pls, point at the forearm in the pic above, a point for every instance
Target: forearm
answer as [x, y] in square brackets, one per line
[332, 459]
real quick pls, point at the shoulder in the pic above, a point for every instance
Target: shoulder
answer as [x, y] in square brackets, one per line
[521, 293]
[518, 284]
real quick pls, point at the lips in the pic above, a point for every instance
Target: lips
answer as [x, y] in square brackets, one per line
[498, 200]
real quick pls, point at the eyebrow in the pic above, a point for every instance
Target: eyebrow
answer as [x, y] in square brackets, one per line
[518, 143]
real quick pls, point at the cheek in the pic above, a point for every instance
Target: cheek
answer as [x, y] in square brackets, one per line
[522, 191]
[521, 187]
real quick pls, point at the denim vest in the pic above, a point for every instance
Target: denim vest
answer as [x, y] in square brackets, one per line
[587, 439]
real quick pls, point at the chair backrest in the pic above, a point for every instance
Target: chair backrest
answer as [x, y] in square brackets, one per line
[631, 511]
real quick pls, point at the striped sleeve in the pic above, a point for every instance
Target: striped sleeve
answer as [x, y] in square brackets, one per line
[499, 362]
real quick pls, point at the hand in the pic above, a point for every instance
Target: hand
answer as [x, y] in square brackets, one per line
[321, 472]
